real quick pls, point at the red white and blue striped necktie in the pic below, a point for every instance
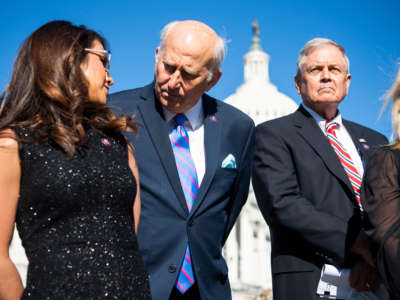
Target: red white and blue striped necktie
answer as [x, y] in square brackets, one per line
[345, 159]
[188, 177]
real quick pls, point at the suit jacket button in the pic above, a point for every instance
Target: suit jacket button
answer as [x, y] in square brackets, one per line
[172, 268]
[191, 222]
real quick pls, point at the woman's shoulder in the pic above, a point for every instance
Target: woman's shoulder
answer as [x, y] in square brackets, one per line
[387, 151]
[23, 133]
[385, 156]
[8, 139]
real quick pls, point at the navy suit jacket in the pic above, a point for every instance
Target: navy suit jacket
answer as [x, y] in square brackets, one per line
[307, 199]
[166, 226]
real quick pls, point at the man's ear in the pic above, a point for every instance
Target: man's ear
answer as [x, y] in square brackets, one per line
[156, 54]
[215, 78]
[297, 82]
[348, 80]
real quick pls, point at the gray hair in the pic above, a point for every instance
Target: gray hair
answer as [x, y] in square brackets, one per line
[219, 51]
[316, 42]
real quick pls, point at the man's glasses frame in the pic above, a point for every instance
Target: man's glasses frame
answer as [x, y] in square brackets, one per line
[106, 59]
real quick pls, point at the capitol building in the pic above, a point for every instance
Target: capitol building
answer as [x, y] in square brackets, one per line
[247, 250]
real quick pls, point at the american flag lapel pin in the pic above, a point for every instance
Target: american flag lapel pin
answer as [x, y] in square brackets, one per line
[364, 143]
[213, 119]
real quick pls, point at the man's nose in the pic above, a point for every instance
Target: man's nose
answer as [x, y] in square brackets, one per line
[174, 80]
[325, 74]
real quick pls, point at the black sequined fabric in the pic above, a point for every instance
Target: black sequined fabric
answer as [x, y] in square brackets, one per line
[76, 224]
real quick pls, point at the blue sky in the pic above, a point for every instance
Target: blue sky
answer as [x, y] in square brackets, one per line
[369, 31]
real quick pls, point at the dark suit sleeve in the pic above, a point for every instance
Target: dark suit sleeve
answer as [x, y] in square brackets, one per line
[240, 188]
[282, 203]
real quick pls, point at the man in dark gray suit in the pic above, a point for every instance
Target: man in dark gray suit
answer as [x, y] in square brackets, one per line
[194, 155]
[307, 174]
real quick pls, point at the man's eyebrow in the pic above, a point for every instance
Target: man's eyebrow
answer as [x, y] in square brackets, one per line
[166, 61]
[190, 72]
[311, 66]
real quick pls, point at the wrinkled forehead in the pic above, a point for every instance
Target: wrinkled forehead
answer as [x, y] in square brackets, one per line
[325, 54]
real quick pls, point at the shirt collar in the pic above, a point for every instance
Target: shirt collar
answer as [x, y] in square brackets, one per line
[320, 120]
[194, 115]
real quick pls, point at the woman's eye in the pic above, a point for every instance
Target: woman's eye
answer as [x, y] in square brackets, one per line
[103, 61]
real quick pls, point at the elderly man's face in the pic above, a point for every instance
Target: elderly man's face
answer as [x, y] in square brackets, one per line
[182, 68]
[324, 79]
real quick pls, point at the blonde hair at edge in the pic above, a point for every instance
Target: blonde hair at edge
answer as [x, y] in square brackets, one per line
[394, 93]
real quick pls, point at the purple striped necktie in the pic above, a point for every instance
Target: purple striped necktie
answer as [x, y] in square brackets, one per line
[345, 159]
[188, 177]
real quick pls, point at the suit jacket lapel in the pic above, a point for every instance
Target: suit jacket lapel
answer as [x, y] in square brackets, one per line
[311, 132]
[154, 121]
[361, 148]
[212, 139]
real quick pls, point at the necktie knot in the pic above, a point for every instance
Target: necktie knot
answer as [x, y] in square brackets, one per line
[331, 126]
[180, 119]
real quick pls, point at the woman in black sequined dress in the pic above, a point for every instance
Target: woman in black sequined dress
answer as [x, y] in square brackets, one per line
[67, 176]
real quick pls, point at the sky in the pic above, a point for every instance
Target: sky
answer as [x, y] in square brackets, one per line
[368, 30]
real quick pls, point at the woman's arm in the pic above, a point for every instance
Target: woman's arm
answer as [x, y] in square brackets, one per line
[10, 173]
[134, 168]
[381, 201]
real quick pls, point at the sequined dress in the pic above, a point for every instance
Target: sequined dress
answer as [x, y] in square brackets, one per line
[76, 223]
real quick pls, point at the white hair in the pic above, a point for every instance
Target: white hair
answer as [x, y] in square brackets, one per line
[219, 50]
[316, 42]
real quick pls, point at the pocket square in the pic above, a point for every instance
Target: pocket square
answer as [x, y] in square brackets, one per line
[229, 162]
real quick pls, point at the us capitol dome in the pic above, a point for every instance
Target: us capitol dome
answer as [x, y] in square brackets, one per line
[247, 250]
[257, 96]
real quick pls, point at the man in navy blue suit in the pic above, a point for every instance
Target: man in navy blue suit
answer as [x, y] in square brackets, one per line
[194, 155]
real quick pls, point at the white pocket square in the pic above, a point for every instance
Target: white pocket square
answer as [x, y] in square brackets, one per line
[229, 162]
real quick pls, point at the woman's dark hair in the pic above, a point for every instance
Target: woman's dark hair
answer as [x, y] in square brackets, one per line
[48, 92]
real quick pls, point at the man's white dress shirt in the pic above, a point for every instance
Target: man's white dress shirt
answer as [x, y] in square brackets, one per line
[342, 135]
